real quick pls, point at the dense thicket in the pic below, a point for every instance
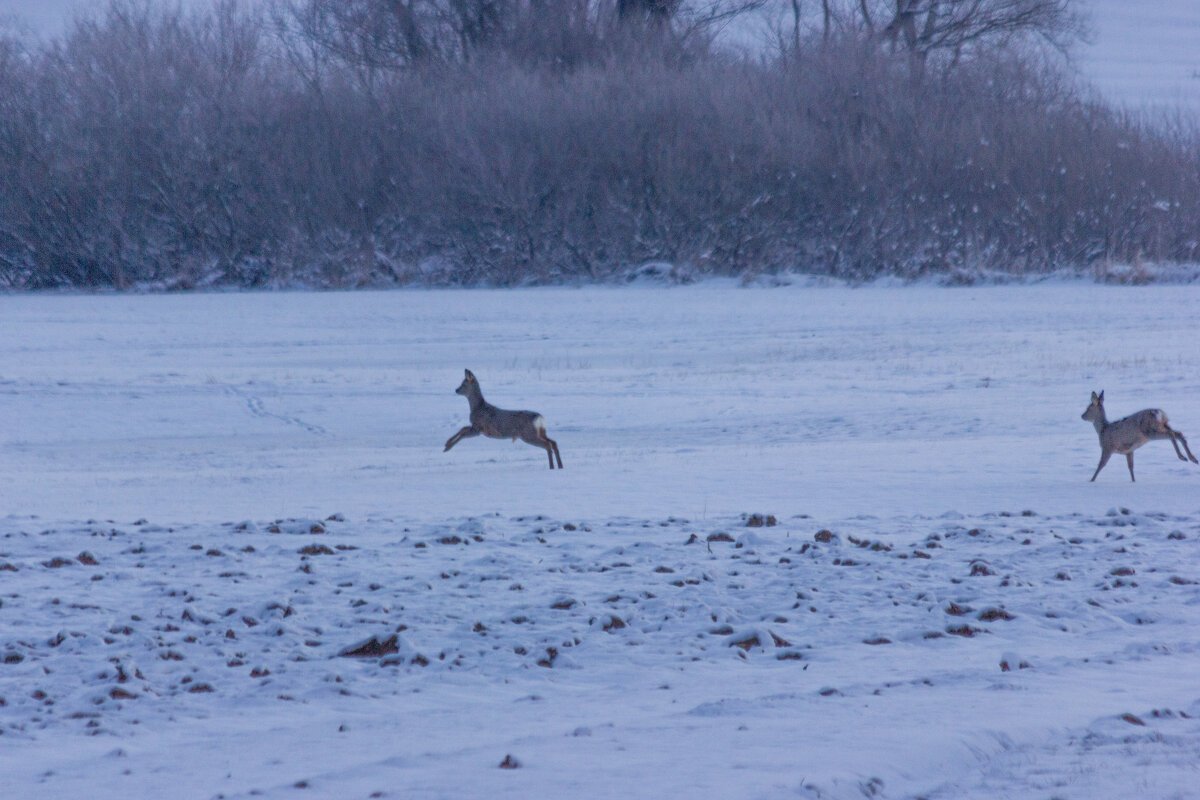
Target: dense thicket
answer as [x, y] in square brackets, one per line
[250, 148]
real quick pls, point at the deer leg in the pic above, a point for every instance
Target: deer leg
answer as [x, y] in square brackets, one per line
[1185, 447]
[1104, 456]
[1175, 444]
[553, 444]
[1176, 435]
[462, 434]
[537, 439]
[1170, 435]
[1129, 460]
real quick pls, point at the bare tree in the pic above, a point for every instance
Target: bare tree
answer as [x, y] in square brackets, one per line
[647, 12]
[17, 148]
[148, 146]
[926, 27]
[374, 33]
[390, 35]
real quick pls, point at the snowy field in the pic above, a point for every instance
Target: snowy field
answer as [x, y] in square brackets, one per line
[209, 498]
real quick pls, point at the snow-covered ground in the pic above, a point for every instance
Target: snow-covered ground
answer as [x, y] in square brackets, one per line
[946, 607]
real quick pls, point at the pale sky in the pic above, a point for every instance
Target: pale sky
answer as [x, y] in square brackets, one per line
[44, 16]
[49, 16]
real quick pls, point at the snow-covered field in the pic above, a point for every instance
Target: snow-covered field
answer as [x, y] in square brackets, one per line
[208, 498]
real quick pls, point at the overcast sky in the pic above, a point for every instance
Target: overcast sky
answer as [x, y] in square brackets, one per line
[41, 15]
[49, 16]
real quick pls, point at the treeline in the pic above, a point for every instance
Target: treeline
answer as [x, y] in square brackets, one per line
[504, 142]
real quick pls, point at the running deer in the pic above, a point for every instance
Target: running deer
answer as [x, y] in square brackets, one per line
[486, 419]
[1128, 434]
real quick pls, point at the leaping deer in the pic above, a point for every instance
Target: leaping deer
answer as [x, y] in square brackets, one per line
[1128, 434]
[486, 419]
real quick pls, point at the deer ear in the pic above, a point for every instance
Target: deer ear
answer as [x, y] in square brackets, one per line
[1101, 397]
[1095, 397]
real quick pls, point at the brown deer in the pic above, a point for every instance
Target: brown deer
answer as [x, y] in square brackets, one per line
[486, 419]
[1128, 434]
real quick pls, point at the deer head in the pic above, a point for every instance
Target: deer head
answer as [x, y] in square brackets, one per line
[467, 384]
[1095, 410]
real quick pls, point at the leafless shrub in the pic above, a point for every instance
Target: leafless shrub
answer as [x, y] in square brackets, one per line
[949, 30]
[153, 147]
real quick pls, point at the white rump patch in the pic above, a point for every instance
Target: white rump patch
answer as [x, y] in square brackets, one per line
[1160, 416]
[539, 423]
